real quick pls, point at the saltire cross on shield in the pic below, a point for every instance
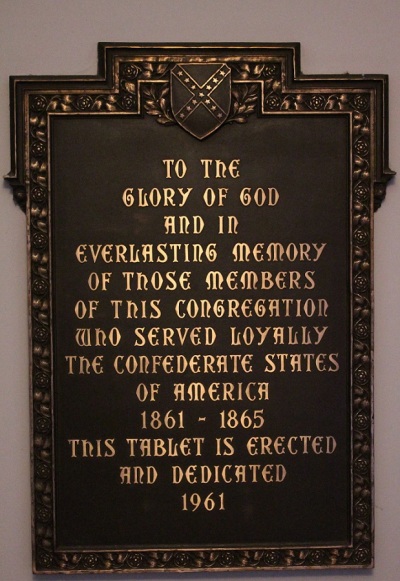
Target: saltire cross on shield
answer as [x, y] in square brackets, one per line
[200, 96]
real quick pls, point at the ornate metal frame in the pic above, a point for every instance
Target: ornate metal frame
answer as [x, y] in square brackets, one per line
[134, 80]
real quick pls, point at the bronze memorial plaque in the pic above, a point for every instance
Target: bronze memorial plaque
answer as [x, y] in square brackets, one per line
[200, 239]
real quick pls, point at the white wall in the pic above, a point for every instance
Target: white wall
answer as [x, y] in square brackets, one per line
[43, 37]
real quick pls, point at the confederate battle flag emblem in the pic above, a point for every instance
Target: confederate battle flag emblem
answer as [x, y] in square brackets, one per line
[200, 96]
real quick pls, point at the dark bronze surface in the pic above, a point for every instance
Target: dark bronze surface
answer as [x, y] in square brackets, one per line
[77, 143]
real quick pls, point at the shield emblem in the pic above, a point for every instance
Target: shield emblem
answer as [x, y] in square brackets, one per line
[200, 96]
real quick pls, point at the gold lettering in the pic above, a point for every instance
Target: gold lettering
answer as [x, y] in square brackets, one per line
[138, 475]
[265, 445]
[277, 252]
[159, 447]
[301, 362]
[228, 473]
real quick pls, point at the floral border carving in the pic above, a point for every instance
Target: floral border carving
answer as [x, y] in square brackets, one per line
[258, 88]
